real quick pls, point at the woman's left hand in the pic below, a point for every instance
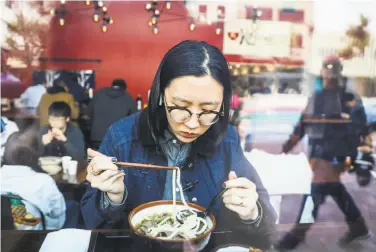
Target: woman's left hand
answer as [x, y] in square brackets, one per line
[241, 197]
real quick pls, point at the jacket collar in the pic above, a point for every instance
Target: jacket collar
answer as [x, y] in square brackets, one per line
[204, 145]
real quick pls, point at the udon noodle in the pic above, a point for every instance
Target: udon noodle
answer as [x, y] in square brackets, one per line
[182, 224]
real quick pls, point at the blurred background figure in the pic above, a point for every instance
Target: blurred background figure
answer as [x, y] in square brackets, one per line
[330, 147]
[58, 92]
[283, 89]
[109, 105]
[32, 95]
[7, 129]
[365, 161]
[22, 176]
[61, 138]
[236, 101]
[243, 125]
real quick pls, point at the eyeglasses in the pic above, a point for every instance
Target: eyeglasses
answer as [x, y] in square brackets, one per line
[181, 115]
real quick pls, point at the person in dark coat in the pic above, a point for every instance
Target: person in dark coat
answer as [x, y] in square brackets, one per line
[109, 105]
[330, 146]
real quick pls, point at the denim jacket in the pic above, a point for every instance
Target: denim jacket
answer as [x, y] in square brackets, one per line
[210, 163]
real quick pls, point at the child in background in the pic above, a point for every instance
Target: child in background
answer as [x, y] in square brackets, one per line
[60, 137]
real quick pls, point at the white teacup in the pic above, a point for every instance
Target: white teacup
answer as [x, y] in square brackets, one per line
[66, 163]
[72, 170]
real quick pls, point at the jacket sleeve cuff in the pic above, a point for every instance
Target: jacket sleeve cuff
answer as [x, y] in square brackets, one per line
[257, 221]
[106, 203]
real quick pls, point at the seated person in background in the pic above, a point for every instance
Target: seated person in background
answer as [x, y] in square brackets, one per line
[102, 112]
[22, 176]
[58, 92]
[60, 137]
[33, 94]
[7, 128]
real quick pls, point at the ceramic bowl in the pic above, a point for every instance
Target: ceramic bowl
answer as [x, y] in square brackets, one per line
[150, 208]
[50, 164]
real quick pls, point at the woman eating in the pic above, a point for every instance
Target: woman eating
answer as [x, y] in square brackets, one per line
[185, 125]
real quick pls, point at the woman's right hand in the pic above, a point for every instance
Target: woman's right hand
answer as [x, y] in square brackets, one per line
[104, 175]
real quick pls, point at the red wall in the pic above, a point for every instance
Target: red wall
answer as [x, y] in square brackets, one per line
[128, 50]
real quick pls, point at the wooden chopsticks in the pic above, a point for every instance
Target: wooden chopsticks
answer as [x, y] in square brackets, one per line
[138, 165]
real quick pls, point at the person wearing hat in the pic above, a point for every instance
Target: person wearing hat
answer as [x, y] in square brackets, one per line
[330, 145]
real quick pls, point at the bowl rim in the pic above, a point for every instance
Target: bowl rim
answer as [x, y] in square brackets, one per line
[54, 159]
[227, 245]
[169, 202]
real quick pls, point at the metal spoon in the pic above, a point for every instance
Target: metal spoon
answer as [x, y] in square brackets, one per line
[207, 210]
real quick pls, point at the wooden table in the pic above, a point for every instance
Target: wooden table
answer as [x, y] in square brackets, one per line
[20, 113]
[62, 178]
[72, 187]
[24, 118]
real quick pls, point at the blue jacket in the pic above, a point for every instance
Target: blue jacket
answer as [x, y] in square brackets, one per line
[130, 140]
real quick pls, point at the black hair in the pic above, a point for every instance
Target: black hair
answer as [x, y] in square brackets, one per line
[372, 127]
[58, 86]
[349, 97]
[190, 58]
[23, 148]
[59, 109]
[119, 83]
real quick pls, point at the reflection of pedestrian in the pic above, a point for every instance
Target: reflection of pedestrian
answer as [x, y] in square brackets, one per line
[244, 128]
[329, 148]
[283, 88]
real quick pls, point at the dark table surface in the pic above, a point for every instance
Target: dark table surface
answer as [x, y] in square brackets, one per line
[23, 113]
[80, 177]
[104, 241]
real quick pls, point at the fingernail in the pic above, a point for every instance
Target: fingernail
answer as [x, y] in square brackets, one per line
[224, 185]
[113, 159]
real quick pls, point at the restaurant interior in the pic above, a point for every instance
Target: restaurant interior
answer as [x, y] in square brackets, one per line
[73, 71]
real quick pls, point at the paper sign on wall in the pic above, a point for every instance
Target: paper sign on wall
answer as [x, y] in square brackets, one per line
[258, 39]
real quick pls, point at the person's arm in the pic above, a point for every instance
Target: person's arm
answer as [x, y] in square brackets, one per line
[359, 120]
[267, 216]
[53, 205]
[264, 224]
[132, 105]
[42, 132]
[25, 95]
[97, 209]
[295, 137]
[75, 144]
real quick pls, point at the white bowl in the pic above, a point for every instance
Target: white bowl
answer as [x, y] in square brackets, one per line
[49, 160]
[141, 212]
[51, 169]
